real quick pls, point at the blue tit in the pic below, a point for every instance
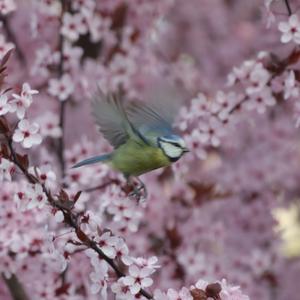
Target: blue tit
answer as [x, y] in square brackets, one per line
[142, 135]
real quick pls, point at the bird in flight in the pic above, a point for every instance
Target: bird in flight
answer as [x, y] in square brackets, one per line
[141, 134]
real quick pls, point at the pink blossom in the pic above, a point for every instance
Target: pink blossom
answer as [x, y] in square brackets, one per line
[138, 278]
[49, 125]
[4, 105]
[107, 244]
[73, 26]
[291, 88]
[61, 88]
[27, 134]
[45, 174]
[7, 6]
[290, 30]
[7, 169]
[99, 278]
[20, 103]
[36, 197]
[261, 100]
[183, 294]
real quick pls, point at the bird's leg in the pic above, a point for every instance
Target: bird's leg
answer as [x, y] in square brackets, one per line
[139, 192]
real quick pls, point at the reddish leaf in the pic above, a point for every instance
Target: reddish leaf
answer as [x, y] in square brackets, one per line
[4, 152]
[198, 294]
[81, 235]
[76, 197]
[174, 237]
[4, 128]
[63, 196]
[6, 58]
[63, 289]
[119, 16]
[23, 160]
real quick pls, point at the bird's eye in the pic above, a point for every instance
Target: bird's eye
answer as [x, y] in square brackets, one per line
[176, 145]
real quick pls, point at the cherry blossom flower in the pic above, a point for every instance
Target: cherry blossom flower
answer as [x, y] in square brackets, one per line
[261, 100]
[121, 289]
[258, 78]
[7, 6]
[211, 131]
[150, 263]
[290, 30]
[71, 55]
[21, 102]
[73, 26]
[7, 169]
[45, 174]
[49, 125]
[4, 105]
[122, 252]
[36, 196]
[183, 294]
[138, 278]
[107, 244]
[50, 7]
[61, 88]
[99, 278]
[291, 90]
[27, 134]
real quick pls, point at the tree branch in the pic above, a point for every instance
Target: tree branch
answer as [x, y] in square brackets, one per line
[288, 7]
[15, 288]
[70, 218]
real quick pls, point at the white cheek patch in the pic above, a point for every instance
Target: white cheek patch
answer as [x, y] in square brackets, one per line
[171, 150]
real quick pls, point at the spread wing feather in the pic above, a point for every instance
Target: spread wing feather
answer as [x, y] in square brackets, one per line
[111, 117]
[158, 114]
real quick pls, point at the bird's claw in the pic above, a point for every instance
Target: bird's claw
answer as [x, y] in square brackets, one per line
[139, 192]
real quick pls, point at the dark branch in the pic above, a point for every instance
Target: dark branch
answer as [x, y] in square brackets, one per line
[15, 288]
[70, 218]
[288, 7]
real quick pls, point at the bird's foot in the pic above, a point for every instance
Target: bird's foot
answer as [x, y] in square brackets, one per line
[139, 192]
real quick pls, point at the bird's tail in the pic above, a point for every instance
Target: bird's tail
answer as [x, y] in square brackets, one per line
[93, 160]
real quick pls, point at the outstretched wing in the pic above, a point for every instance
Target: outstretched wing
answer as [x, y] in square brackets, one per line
[113, 121]
[157, 115]
[111, 118]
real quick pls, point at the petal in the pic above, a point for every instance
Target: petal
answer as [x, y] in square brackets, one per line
[36, 139]
[128, 280]
[283, 27]
[27, 143]
[293, 21]
[18, 136]
[20, 112]
[34, 128]
[146, 282]
[286, 37]
[134, 271]
[146, 272]
[134, 289]
[23, 124]
[95, 288]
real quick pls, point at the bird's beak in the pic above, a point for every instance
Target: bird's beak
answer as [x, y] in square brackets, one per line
[185, 150]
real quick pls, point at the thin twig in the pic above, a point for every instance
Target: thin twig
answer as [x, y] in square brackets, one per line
[288, 7]
[15, 288]
[61, 142]
[70, 218]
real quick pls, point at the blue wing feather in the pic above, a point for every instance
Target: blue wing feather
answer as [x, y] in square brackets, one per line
[93, 160]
